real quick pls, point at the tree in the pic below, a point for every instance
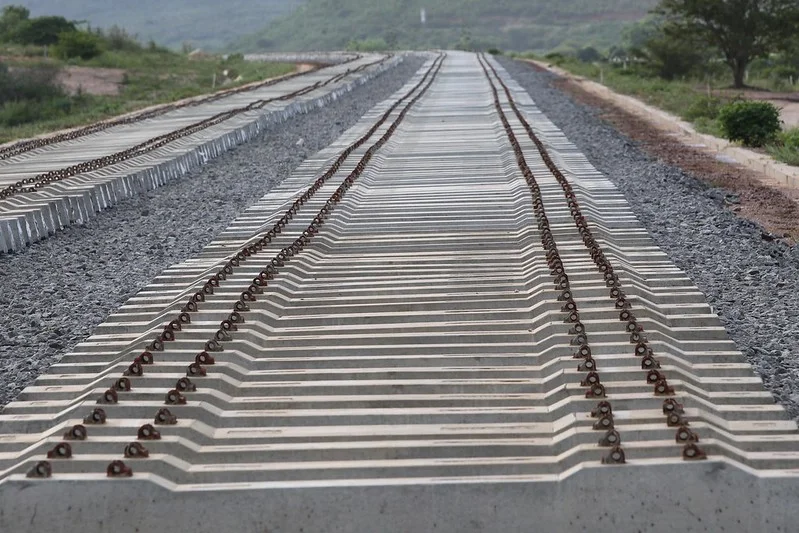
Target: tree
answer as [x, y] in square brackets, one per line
[44, 30]
[741, 29]
[82, 44]
[589, 54]
[670, 57]
[11, 20]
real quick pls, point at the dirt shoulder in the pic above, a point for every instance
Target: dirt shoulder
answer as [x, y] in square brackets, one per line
[92, 80]
[774, 207]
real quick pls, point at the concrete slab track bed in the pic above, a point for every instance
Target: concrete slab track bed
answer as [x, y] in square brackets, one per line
[400, 352]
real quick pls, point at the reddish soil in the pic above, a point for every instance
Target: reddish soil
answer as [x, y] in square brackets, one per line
[98, 81]
[773, 207]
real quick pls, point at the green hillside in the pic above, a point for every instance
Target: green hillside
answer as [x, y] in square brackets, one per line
[507, 24]
[205, 23]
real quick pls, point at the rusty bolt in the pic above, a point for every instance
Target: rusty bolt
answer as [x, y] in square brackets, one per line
[62, 450]
[185, 385]
[165, 417]
[76, 432]
[109, 397]
[684, 434]
[692, 452]
[204, 358]
[136, 450]
[118, 469]
[122, 384]
[174, 397]
[611, 438]
[615, 457]
[148, 432]
[590, 380]
[597, 391]
[662, 388]
[42, 469]
[603, 408]
[604, 423]
[671, 405]
[195, 370]
[675, 420]
[97, 416]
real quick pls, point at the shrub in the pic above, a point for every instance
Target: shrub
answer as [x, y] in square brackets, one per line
[670, 56]
[495, 51]
[43, 30]
[589, 54]
[752, 123]
[80, 44]
[13, 18]
[118, 39]
[18, 112]
[783, 72]
[36, 84]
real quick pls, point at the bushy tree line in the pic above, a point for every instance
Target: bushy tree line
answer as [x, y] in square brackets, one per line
[702, 37]
[32, 93]
[66, 40]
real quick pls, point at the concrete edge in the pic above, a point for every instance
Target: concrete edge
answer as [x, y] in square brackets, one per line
[773, 172]
[685, 497]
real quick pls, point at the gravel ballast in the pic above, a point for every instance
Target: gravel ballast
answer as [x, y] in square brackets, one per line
[55, 292]
[750, 281]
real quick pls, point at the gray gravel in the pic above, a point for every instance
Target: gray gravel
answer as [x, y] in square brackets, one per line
[56, 291]
[751, 283]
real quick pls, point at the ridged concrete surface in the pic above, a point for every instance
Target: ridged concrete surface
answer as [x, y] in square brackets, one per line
[411, 365]
[29, 217]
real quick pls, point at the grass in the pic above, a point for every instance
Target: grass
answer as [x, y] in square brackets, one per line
[687, 99]
[677, 97]
[785, 154]
[151, 77]
[786, 147]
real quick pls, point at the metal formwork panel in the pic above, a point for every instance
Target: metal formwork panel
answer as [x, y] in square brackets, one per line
[410, 366]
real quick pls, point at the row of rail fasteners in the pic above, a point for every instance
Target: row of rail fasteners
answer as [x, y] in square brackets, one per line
[674, 411]
[32, 144]
[34, 183]
[197, 369]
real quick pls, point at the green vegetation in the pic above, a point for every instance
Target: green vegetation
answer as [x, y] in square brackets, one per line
[30, 95]
[33, 100]
[751, 123]
[786, 148]
[78, 44]
[685, 98]
[740, 30]
[666, 61]
[502, 24]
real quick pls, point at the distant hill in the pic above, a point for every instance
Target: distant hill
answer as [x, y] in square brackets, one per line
[204, 23]
[253, 25]
[507, 24]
